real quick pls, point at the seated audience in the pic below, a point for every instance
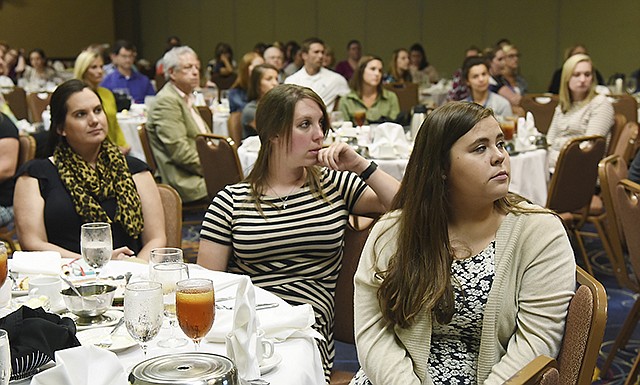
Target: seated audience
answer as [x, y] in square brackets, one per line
[274, 56]
[580, 110]
[88, 68]
[326, 83]
[367, 94]
[38, 73]
[223, 62]
[354, 53]
[497, 82]
[459, 90]
[125, 77]
[86, 180]
[511, 70]
[422, 72]
[293, 59]
[15, 64]
[284, 225]
[554, 86]
[399, 71]
[463, 282]
[172, 42]
[329, 59]
[173, 124]
[238, 92]
[5, 81]
[263, 79]
[476, 75]
[9, 148]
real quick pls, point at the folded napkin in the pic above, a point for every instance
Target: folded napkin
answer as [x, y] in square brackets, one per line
[389, 136]
[347, 129]
[241, 342]
[251, 143]
[527, 132]
[34, 336]
[36, 262]
[83, 365]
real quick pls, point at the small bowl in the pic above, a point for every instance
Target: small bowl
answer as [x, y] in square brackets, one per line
[96, 299]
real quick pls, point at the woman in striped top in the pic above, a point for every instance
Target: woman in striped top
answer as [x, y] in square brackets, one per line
[284, 225]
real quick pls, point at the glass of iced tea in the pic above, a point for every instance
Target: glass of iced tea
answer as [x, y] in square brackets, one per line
[4, 270]
[360, 117]
[195, 307]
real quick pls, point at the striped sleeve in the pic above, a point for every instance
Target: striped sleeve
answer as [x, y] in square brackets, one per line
[216, 226]
[349, 186]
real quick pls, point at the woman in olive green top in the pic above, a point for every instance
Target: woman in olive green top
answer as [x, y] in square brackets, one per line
[88, 68]
[367, 94]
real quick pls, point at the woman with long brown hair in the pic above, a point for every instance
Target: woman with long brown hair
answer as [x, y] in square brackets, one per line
[238, 92]
[463, 282]
[284, 225]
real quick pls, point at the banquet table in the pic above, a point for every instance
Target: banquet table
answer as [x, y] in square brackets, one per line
[529, 171]
[300, 358]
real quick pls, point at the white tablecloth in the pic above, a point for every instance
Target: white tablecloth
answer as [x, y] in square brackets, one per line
[301, 362]
[529, 172]
[129, 125]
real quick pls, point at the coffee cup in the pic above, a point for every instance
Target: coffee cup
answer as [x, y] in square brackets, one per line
[49, 286]
[264, 347]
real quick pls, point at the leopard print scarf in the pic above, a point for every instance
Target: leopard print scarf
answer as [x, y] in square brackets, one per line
[110, 178]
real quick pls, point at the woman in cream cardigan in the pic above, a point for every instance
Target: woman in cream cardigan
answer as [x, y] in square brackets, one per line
[469, 283]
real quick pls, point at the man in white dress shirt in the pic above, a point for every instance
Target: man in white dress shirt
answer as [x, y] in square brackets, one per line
[326, 83]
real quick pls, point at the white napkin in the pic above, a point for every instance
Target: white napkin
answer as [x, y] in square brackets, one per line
[389, 135]
[251, 143]
[530, 125]
[79, 365]
[241, 341]
[36, 262]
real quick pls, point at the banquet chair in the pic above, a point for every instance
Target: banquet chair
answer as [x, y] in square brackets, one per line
[36, 104]
[627, 203]
[355, 236]
[160, 81]
[543, 370]
[626, 142]
[542, 112]
[206, 115]
[223, 82]
[234, 125]
[146, 148]
[616, 130]
[17, 101]
[626, 105]
[573, 184]
[583, 331]
[26, 152]
[172, 207]
[407, 95]
[220, 162]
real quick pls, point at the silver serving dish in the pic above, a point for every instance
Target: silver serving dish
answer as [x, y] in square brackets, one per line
[193, 368]
[96, 300]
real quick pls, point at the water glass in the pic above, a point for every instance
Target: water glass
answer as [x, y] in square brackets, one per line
[164, 255]
[96, 244]
[195, 307]
[143, 311]
[169, 274]
[5, 358]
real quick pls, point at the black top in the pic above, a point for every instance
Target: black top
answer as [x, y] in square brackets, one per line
[60, 217]
[7, 130]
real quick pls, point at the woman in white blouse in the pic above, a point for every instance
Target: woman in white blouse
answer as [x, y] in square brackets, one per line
[580, 110]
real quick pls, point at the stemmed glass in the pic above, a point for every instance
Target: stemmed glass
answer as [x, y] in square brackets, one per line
[168, 274]
[96, 245]
[337, 118]
[164, 255]
[143, 311]
[195, 307]
[5, 358]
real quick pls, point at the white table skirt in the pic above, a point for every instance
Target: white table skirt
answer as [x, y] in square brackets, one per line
[529, 172]
[301, 362]
[129, 126]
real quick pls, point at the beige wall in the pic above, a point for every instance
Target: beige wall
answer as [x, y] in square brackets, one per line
[541, 28]
[60, 27]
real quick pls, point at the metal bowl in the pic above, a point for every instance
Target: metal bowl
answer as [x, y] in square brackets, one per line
[96, 299]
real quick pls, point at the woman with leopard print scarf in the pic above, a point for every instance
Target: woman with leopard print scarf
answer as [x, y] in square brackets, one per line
[86, 180]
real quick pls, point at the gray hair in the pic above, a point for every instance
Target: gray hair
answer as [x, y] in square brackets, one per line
[171, 59]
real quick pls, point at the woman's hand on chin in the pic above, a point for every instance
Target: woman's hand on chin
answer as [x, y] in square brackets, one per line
[340, 156]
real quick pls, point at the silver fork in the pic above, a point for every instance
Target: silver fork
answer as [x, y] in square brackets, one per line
[107, 341]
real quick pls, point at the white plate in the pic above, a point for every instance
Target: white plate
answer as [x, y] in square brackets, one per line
[268, 364]
[112, 317]
[121, 339]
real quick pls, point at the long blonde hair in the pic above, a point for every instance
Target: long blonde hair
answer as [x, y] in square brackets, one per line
[83, 62]
[564, 97]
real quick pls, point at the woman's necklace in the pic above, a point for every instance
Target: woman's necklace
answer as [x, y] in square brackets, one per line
[283, 200]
